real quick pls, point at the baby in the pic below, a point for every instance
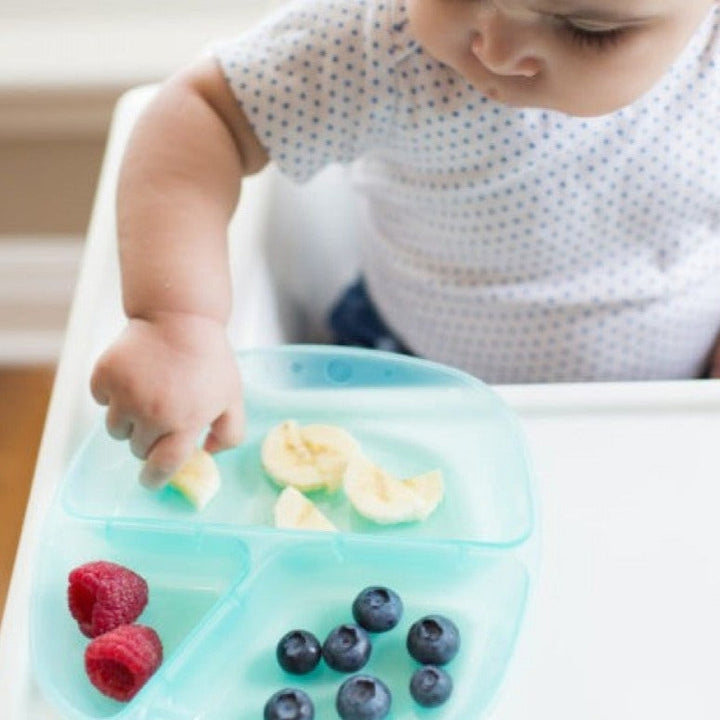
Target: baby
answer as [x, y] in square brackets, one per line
[541, 186]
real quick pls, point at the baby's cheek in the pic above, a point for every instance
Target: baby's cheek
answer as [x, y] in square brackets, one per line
[582, 85]
[442, 31]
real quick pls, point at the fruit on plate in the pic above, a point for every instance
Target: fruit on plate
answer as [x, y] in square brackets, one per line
[307, 457]
[119, 662]
[430, 686]
[103, 595]
[298, 652]
[198, 479]
[433, 640]
[293, 510]
[377, 609]
[384, 498]
[347, 648]
[363, 697]
[289, 704]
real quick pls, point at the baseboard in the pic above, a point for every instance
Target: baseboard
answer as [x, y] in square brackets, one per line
[37, 281]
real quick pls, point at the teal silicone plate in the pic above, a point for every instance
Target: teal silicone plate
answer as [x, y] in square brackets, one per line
[225, 584]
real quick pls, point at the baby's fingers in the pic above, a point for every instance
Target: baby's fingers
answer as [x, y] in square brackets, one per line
[165, 457]
[227, 431]
[99, 382]
[118, 423]
[143, 437]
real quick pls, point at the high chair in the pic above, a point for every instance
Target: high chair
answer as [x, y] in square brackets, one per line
[623, 620]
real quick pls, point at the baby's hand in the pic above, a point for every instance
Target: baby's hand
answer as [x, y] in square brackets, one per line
[164, 382]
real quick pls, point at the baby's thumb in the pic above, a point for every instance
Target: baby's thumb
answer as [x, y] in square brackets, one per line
[227, 431]
[165, 457]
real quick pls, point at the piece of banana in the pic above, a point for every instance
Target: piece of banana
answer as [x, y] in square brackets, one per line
[308, 457]
[386, 499]
[293, 510]
[198, 479]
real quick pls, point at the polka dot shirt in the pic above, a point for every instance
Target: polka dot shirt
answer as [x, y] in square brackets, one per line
[519, 245]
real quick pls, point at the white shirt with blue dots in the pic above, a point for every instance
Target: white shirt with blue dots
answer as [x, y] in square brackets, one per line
[519, 245]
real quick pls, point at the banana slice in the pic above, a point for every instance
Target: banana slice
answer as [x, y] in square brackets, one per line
[198, 479]
[308, 457]
[380, 496]
[293, 510]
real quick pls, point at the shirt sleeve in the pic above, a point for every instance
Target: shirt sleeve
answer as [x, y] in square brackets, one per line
[315, 81]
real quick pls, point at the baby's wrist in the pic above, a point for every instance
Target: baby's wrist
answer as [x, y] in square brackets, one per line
[181, 328]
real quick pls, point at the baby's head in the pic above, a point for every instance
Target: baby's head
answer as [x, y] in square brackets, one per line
[580, 57]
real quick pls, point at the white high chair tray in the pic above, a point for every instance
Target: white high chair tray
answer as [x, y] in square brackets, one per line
[624, 621]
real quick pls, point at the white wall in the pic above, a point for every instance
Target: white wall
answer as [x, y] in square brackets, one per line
[63, 65]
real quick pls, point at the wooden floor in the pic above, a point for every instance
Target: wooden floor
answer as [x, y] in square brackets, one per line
[24, 395]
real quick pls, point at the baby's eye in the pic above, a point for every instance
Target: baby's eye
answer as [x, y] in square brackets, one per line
[599, 39]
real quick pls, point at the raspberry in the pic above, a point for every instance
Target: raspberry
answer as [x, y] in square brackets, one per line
[103, 595]
[121, 661]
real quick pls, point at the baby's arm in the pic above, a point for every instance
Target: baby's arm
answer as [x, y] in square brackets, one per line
[171, 373]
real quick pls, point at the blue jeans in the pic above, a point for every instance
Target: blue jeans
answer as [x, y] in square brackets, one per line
[354, 320]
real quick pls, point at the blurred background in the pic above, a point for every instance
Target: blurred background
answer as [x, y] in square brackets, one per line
[63, 66]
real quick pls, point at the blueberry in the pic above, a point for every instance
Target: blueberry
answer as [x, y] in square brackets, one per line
[289, 704]
[377, 609]
[347, 648]
[430, 686]
[298, 652]
[433, 640]
[363, 697]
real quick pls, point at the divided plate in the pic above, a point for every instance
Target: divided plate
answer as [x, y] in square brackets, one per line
[225, 584]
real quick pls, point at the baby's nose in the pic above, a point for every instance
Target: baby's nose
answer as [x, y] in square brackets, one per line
[500, 44]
